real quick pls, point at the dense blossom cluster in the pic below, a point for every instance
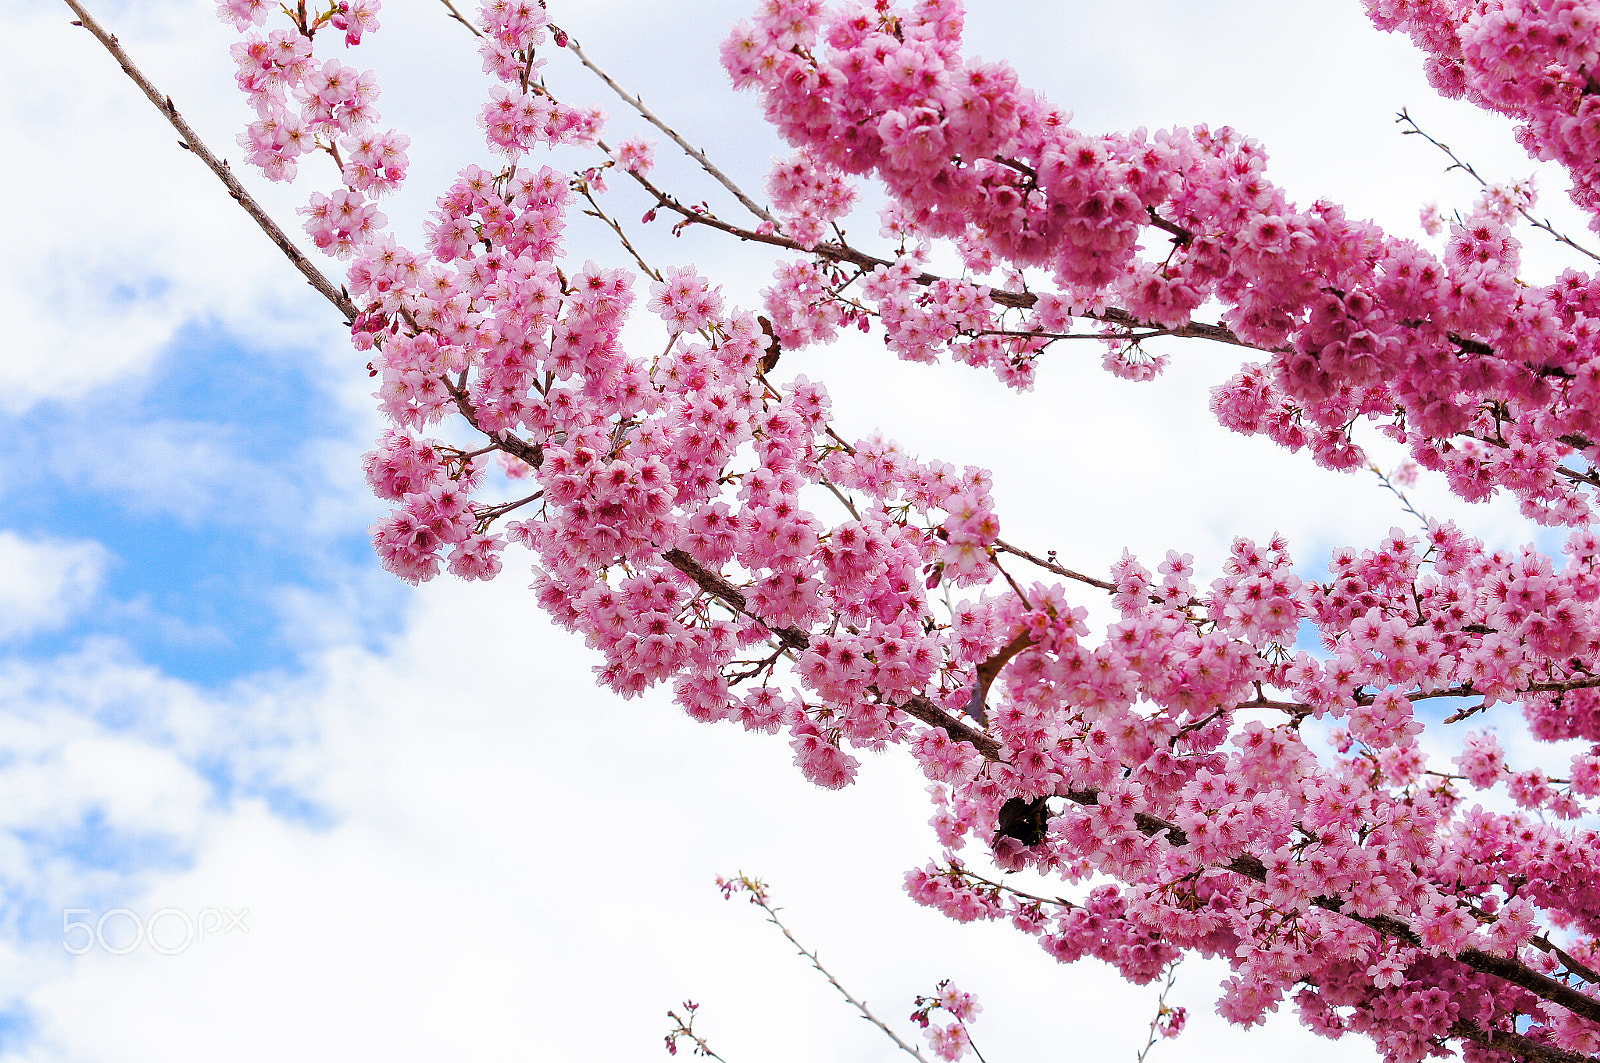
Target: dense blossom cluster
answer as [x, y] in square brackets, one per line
[1482, 376]
[704, 527]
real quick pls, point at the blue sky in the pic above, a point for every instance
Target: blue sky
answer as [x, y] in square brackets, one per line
[448, 841]
[196, 477]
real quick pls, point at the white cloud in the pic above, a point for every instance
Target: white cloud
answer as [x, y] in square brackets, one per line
[45, 583]
[519, 861]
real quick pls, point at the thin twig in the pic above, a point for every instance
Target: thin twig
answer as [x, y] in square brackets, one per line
[1161, 1011]
[995, 561]
[337, 296]
[493, 513]
[842, 497]
[627, 244]
[758, 898]
[1051, 566]
[649, 116]
[1457, 163]
[1401, 495]
[1013, 891]
[476, 32]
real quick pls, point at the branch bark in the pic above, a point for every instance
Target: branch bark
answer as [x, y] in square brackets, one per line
[192, 142]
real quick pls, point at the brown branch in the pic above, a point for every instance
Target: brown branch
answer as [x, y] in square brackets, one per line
[494, 513]
[1506, 969]
[627, 245]
[532, 453]
[1570, 962]
[1012, 890]
[337, 296]
[922, 708]
[1515, 1044]
[1557, 688]
[1180, 236]
[459, 17]
[713, 584]
[1051, 566]
[917, 706]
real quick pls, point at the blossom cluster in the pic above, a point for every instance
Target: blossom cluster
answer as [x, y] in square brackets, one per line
[304, 106]
[949, 1040]
[703, 525]
[1490, 381]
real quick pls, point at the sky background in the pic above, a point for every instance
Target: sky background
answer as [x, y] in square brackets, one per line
[442, 838]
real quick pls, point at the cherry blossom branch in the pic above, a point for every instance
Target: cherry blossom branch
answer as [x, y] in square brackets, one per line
[1254, 868]
[1516, 1044]
[532, 453]
[1457, 163]
[1249, 866]
[921, 707]
[191, 142]
[917, 706]
[713, 584]
[1570, 962]
[842, 252]
[686, 1029]
[1504, 968]
[649, 116]
[1180, 235]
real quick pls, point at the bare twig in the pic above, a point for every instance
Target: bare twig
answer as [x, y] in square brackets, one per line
[973, 876]
[627, 245]
[758, 897]
[493, 513]
[649, 116]
[476, 32]
[1051, 566]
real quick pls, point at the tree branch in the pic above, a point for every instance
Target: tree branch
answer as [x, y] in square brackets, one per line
[758, 897]
[649, 116]
[1516, 1044]
[337, 296]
